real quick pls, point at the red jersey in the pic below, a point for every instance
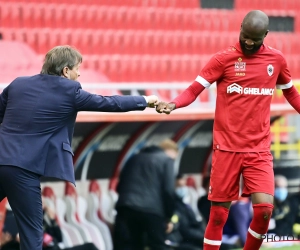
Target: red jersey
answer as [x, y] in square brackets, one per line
[245, 86]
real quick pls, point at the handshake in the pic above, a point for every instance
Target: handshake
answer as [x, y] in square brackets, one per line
[161, 107]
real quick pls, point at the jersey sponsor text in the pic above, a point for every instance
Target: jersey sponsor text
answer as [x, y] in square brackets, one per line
[249, 91]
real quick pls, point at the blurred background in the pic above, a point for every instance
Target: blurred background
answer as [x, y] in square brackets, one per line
[145, 47]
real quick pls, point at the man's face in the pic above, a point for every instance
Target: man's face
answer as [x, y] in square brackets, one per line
[251, 40]
[180, 182]
[72, 74]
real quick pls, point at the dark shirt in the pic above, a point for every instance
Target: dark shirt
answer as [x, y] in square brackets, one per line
[284, 214]
[187, 229]
[147, 183]
[204, 207]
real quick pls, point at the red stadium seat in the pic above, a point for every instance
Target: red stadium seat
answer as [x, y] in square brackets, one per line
[10, 15]
[190, 182]
[267, 5]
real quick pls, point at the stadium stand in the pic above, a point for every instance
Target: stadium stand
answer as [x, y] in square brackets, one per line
[163, 36]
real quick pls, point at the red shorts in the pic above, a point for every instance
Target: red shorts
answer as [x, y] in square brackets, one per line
[256, 169]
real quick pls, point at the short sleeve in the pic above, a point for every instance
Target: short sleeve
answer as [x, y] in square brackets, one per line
[212, 71]
[284, 80]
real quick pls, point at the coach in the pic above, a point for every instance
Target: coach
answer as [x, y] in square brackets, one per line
[37, 116]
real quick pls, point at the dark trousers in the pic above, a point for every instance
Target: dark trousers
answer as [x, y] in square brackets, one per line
[23, 191]
[84, 246]
[132, 226]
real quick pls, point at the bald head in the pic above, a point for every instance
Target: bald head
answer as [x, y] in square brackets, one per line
[256, 19]
[254, 29]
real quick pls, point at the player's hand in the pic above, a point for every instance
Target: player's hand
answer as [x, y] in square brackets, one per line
[164, 107]
[5, 238]
[170, 227]
[152, 101]
[18, 238]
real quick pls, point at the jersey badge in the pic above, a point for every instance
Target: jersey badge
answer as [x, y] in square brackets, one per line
[270, 69]
[240, 65]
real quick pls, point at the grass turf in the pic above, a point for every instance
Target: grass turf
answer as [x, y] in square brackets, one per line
[279, 248]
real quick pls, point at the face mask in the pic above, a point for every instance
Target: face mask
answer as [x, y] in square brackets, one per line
[182, 192]
[281, 193]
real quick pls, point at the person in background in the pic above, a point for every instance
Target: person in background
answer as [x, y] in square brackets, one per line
[146, 198]
[246, 74]
[37, 117]
[237, 224]
[188, 232]
[295, 198]
[10, 239]
[52, 235]
[203, 203]
[285, 209]
[283, 217]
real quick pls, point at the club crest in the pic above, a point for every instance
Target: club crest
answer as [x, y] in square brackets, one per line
[270, 69]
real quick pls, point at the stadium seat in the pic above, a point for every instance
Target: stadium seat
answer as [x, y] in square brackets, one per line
[192, 200]
[267, 5]
[72, 214]
[154, 3]
[22, 60]
[96, 235]
[70, 230]
[190, 182]
[94, 214]
[69, 234]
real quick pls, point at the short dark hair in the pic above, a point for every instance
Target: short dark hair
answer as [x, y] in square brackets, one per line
[179, 176]
[58, 58]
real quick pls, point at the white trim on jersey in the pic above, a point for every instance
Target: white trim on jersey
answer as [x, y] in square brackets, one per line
[202, 81]
[254, 234]
[284, 86]
[213, 242]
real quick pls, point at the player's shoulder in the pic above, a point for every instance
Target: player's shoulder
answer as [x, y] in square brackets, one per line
[230, 50]
[226, 54]
[273, 51]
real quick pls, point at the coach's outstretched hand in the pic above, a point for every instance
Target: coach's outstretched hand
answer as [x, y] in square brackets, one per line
[166, 108]
[152, 101]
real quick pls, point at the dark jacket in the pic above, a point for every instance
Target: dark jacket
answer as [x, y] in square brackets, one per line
[284, 214]
[187, 229]
[38, 115]
[147, 183]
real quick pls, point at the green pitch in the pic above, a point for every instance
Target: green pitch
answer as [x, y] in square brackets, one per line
[284, 248]
[279, 248]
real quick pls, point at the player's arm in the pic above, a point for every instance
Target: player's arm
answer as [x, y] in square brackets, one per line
[189, 95]
[293, 97]
[3, 103]
[208, 75]
[285, 83]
